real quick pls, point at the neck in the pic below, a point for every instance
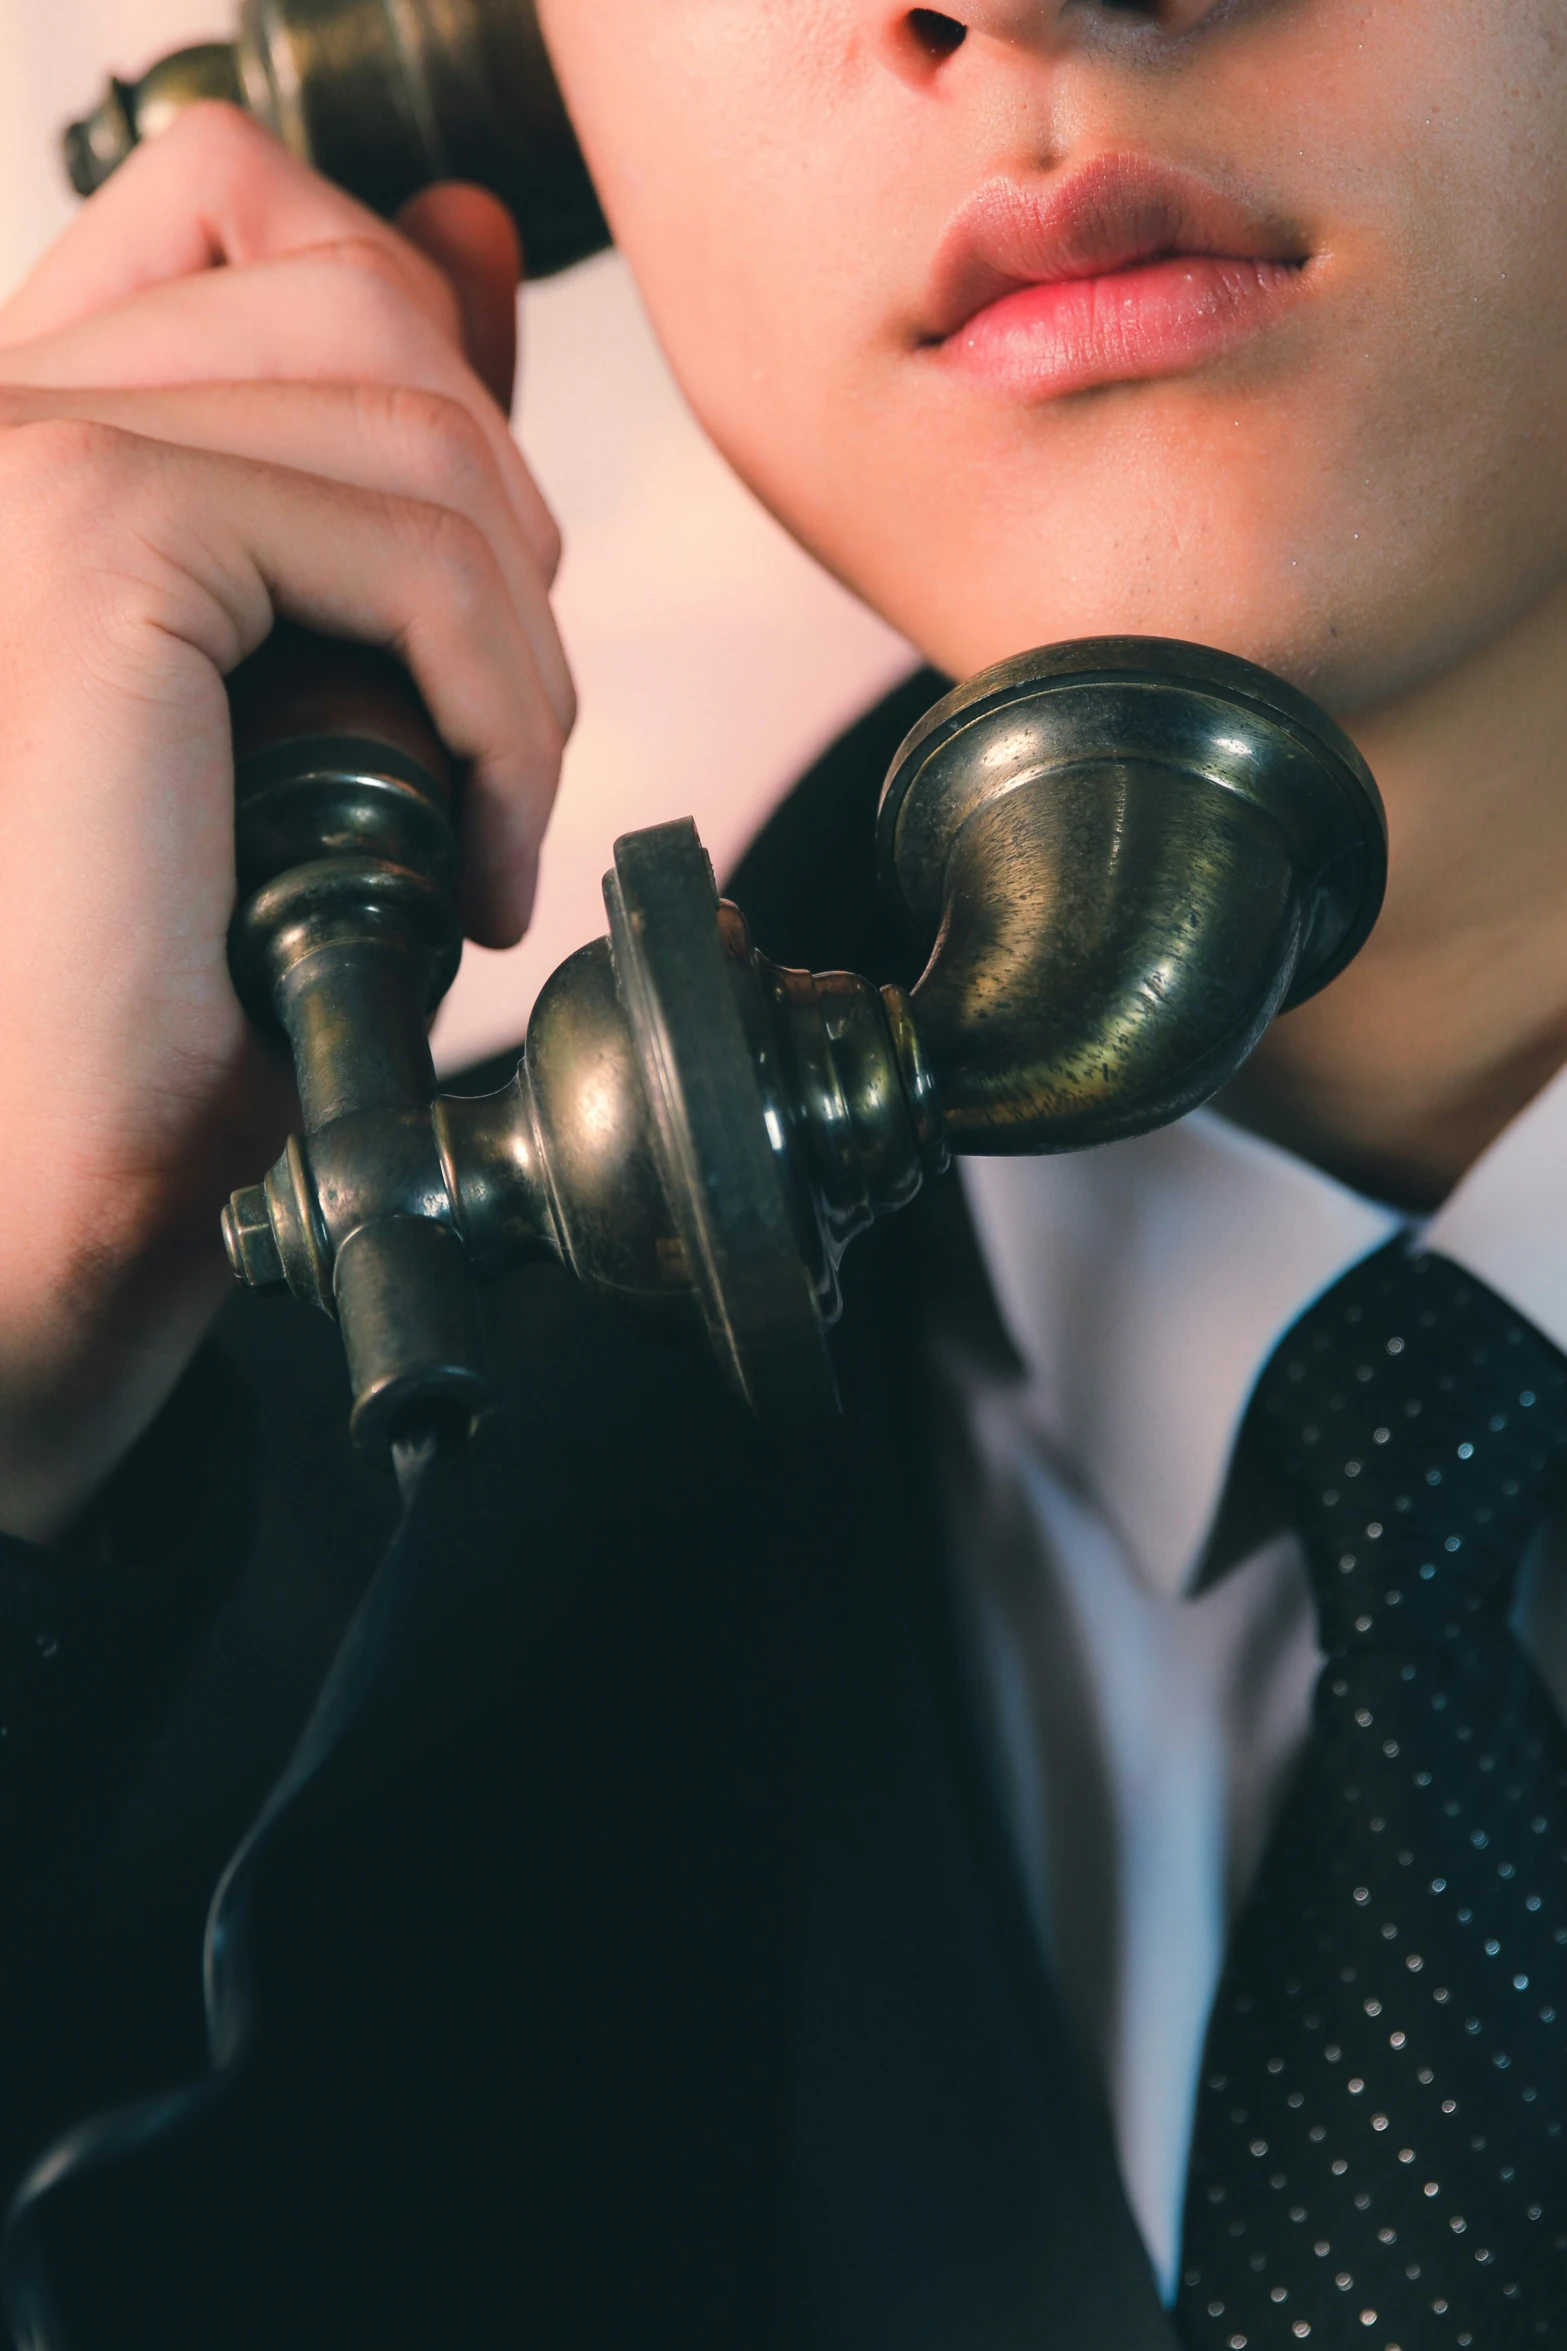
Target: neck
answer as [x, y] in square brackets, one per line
[1455, 1012]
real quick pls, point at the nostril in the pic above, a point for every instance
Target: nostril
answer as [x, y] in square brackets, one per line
[936, 34]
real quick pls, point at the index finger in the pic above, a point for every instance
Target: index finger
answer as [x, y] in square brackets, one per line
[213, 188]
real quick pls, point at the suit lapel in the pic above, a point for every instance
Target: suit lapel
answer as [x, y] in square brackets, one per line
[954, 2183]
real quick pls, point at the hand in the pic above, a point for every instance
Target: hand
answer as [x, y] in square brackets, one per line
[228, 393]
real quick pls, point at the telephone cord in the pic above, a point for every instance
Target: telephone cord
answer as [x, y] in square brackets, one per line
[123, 2131]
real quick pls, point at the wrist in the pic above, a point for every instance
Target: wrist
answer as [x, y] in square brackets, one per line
[86, 1365]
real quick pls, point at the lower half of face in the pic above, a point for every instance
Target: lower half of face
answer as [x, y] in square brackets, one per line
[1246, 325]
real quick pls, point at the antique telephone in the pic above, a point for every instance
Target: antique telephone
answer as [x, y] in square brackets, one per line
[1126, 855]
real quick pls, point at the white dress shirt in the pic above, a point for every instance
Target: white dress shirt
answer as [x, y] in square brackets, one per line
[1148, 1715]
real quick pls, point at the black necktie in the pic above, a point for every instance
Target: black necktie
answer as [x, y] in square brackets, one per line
[1379, 2155]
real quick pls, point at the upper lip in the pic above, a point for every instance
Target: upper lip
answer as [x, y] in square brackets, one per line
[1107, 214]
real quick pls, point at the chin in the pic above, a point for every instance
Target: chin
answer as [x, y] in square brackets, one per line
[1296, 518]
[1315, 639]
[1353, 610]
[1126, 514]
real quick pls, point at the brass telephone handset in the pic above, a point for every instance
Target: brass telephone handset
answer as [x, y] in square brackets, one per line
[1128, 855]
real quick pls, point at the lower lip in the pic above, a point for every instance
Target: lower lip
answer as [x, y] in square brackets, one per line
[1079, 334]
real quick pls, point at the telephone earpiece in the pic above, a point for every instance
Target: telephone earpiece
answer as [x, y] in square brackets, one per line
[1124, 855]
[382, 96]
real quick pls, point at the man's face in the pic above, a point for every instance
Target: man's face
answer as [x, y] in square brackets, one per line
[1243, 322]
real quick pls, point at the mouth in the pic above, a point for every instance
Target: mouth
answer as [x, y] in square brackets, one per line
[1118, 272]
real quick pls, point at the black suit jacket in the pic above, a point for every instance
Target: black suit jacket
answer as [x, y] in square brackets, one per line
[650, 1967]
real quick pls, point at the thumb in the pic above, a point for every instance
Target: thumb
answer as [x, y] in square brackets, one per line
[472, 238]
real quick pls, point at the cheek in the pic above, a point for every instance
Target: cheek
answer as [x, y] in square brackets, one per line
[1360, 499]
[709, 126]
[1357, 509]
[1417, 497]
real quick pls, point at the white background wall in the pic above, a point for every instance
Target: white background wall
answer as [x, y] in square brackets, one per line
[712, 658]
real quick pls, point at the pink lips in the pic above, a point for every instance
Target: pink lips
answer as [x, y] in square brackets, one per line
[1120, 271]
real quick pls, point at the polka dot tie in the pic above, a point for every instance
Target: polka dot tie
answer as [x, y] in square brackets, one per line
[1378, 2155]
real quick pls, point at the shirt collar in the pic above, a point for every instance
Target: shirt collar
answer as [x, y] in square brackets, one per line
[1507, 1220]
[1146, 1283]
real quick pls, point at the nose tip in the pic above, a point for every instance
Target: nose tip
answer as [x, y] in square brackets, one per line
[932, 49]
[932, 35]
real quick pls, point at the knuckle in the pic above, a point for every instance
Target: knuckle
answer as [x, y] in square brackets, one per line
[69, 464]
[107, 531]
[382, 275]
[547, 732]
[552, 748]
[91, 530]
[456, 552]
[367, 261]
[435, 290]
[214, 142]
[446, 443]
[376, 315]
[215, 123]
[551, 544]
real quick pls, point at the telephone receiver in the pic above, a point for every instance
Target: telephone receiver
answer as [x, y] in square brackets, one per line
[1124, 856]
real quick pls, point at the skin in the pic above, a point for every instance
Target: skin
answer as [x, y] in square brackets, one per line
[1368, 498]
[227, 393]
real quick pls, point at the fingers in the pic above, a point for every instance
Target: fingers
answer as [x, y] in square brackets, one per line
[374, 437]
[334, 309]
[337, 312]
[425, 581]
[276, 381]
[215, 188]
[201, 549]
[472, 239]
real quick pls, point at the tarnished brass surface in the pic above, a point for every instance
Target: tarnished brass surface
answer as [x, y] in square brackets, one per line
[131, 111]
[343, 941]
[1129, 854]
[384, 96]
